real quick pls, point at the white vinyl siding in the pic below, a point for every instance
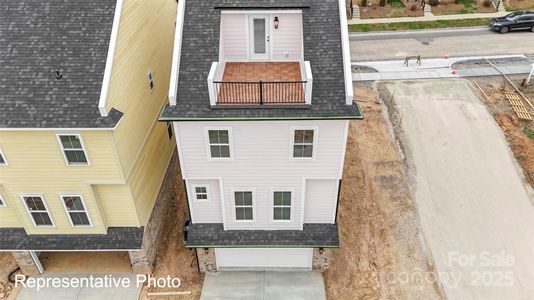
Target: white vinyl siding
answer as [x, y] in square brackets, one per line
[205, 211]
[262, 161]
[319, 206]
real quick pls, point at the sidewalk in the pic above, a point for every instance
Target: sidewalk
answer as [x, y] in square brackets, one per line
[429, 17]
[434, 68]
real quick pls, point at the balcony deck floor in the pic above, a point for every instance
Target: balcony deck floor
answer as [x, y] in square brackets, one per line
[282, 83]
[266, 71]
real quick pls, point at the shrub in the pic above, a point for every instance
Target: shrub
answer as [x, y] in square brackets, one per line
[413, 7]
[487, 3]
[382, 3]
[433, 2]
[456, 1]
[364, 3]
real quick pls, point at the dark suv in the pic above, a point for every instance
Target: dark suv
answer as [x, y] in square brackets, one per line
[517, 20]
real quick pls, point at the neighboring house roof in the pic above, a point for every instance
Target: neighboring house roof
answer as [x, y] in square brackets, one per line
[322, 47]
[117, 238]
[38, 37]
[204, 235]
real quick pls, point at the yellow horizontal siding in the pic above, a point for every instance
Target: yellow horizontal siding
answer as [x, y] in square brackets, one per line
[117, 205]
[149, 170]
[8, 214]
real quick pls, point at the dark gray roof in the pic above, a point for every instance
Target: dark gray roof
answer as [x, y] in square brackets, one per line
[213, 235]
[38, 37]
[117, 238]
[322, 47]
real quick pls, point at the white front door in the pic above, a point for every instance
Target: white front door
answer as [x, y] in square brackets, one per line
[259, 41]
[263, 258]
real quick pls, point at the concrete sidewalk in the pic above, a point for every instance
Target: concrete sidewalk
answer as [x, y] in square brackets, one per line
[476, 214]
[434, 68]
[429, 17]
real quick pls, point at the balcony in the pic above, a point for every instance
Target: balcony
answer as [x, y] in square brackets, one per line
[260, 84]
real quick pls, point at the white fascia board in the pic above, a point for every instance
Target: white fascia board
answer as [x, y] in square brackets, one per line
[175, 69]
[109, 61]
[346, 53]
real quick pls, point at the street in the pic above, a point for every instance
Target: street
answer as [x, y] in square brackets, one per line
[436, 43]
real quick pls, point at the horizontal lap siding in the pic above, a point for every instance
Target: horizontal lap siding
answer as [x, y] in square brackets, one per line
[318, 207]
[262, 162]
[234, 29]
[37, 166]
[288, 37]
[117, 205]
[206, 211]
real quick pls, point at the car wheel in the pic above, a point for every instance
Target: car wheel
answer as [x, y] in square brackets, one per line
[504, 29]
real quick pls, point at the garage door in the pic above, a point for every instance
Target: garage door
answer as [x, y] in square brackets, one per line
[261, 259]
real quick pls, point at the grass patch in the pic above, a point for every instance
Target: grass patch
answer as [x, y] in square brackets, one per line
[469, 7]
[528, 132]
[418, 25]
[396, 4]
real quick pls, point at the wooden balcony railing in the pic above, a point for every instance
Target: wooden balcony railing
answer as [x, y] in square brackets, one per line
[260, 92]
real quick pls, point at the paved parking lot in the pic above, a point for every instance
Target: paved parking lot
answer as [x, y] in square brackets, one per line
[263, 286]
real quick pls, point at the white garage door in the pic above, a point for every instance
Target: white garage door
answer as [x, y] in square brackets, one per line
[261, 259]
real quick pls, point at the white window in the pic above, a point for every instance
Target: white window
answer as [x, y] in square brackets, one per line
[150, 80]
[76, 210]
[3, 160]
[219, 143]
[244, 207]
[303, 142]
[2, 202]
[282, 205]
[201, 192]
[73, 149]
[38, 211]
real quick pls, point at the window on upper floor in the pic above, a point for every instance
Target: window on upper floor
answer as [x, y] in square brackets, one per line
[36, 207]
[219, 143]
[304, 142]
[244, 206]
[201, 192]
[73, 149]
[2, 202]
[3, 160]
[282, 206]
[76, 210]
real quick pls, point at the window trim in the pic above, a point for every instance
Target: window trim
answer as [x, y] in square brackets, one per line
[253, 191]
[194, 192]
[67, 211]
[59, 135]
[292, 206]
[6, 163]
[30, 213]
[292, 141]
[230, 143]
[3, 200]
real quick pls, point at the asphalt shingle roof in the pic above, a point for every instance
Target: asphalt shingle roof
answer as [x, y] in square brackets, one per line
[200, 47]
[213, 235]
[38, 37]
[117, 238]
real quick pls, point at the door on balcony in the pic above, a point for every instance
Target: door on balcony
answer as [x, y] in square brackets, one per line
[259, 37]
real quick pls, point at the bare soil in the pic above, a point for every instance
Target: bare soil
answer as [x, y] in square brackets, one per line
[519, 4]
[517, 131]
[447, 7]
[378, 223]
[173, 259]
[395, 9]
[7, 265]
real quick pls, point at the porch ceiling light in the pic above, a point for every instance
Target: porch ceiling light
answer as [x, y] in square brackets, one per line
[276, 22]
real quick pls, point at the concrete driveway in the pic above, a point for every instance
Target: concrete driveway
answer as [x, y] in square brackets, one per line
[263, 286]
[86, 293]
[475, 209]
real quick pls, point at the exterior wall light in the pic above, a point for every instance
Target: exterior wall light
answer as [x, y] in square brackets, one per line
[276, 22]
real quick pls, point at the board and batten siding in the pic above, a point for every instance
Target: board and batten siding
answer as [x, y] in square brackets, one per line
[37, 166]
[262, 163]
[318, 207]
[144, 43]
[205, 211]
[286, 42]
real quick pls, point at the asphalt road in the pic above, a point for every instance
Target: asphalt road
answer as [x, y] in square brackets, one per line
[438, 42]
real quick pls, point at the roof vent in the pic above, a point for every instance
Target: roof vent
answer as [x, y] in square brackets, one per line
[58, 74]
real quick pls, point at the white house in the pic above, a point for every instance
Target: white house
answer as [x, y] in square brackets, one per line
[261, 98]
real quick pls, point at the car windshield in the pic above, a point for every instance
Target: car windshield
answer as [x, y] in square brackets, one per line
[513, 15]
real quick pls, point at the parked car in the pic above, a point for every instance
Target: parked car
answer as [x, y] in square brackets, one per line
[518, 20]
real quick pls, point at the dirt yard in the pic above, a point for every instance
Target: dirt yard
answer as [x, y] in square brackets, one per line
[519, 4]
[393, 9]
[172, 257]
[7, 264]
[519, 133]
[448, 7]
[378, 224]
